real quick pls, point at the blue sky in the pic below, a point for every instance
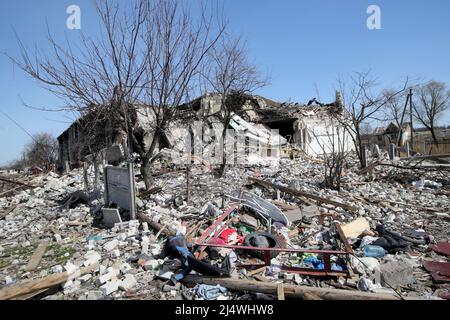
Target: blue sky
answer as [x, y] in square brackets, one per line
[301, 44]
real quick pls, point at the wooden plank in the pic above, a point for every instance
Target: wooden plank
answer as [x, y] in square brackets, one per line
[149, 192]
[25, 288]
[344, 240]
[11, 190]
[370, 167]
[355, 228]
[256, 271]
[383, 203]
[32, 294]
[6, 212]
[280, 292]
[261, 278]
[37, 256]
[299, 193]
[157, 226]
[17, 182]
[290, 291]
[311, 296]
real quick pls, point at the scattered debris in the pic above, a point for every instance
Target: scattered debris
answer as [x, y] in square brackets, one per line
[441, 247]
[268, 229]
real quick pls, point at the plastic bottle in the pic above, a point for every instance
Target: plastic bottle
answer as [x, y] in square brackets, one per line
[374, 251]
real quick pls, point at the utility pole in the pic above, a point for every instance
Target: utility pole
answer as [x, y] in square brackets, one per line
[400, 131]
[411, 117]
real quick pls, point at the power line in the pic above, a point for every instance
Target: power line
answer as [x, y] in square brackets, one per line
[17, 124]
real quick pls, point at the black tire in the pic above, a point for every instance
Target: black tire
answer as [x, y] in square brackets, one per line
[249, 241]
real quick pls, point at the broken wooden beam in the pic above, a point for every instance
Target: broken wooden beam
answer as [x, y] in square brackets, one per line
[311, 296]
[369, 168]
[157, 226]
[290, 291]
[7, 211]
[37, 256]
[11, 190]
[343, 238]
[299, 193]
[149, 192]
[256, 271]
[28, 287]
[32, 294]
[280, 292]
[384, 201]
[17, 182]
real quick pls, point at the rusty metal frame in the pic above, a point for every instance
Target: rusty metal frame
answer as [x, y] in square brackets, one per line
[213, 227]
[326, 271]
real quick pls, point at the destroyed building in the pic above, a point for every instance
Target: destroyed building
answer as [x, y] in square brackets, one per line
[269, 128]
[312, 127]
[196, 236]
[384, 136]
[89, 134]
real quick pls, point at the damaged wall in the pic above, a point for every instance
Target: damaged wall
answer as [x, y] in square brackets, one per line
[318, 134]
[309, 128]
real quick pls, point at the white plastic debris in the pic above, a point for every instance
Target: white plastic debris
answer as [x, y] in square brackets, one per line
[111, 245]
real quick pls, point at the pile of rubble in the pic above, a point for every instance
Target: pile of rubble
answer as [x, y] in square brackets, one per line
[264, 231]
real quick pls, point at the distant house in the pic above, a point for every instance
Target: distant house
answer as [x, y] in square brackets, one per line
[384, 136]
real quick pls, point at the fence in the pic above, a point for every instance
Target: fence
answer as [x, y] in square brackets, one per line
[430, 148]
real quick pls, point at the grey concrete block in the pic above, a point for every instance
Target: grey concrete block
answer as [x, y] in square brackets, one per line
[111, 217]
[396, 273]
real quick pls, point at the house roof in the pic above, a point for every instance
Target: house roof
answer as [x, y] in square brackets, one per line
[379, 130]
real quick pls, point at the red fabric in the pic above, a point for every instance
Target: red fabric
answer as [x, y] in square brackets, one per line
[227, 233]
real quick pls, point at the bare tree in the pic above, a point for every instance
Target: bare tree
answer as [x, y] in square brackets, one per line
[143, 65]
[101, 70]
[19, 164]
[100, 78]
[366, 128]
[363, 103]
[232, 76]
[177, 45]
[41, 151]
[395, 105]
[335, 153]
[433, 100]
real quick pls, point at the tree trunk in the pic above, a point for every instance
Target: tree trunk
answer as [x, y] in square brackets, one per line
[146, 162]
[359, 149]
[96, 174]
[222, 167]
[188, 187]
[86, 175]
[224, 154]
[146, 171]
[433, 135]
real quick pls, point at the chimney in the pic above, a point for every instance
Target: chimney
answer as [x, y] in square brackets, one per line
[339, 102]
